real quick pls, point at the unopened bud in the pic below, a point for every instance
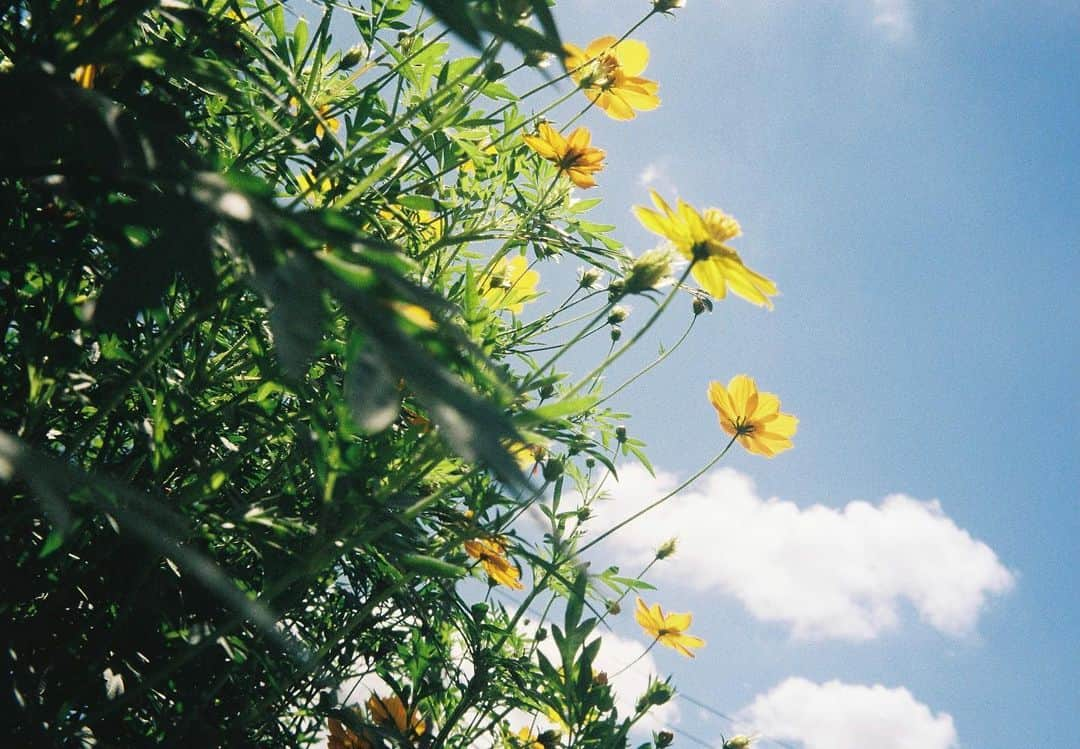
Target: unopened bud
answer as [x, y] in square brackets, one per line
[648, 270]
[660, 693]
[664, 739]
[590, 463]
[616, 290]
[538, 58]
[553, 469]
[546, 391]
[666, 6]
[620, 433]
[479, 611]
[666, 549]
[587, 277]
[353, 56]
[617, 315]
[616, 333]
[614, 608]
[600, 677]
[702, 304]
[494, 71]
[738, 742]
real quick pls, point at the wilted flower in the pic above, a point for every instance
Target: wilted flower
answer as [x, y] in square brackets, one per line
[574, 156]
[666, 549]
[752, 417]
[608, 71]
[701, 237]
[509, 285]
[492, 555]
[668, 629]
[666, 6]
[588, 277]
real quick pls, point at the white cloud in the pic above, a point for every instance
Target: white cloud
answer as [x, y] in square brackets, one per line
[893, 18]
[655, 175]
[835, 715]
[825, 572]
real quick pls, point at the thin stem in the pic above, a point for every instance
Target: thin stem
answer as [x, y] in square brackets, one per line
[658, 502]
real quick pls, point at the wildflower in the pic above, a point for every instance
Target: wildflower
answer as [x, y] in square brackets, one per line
[415, 314]
[609, 74]
[701, 237]
[85, 75]
[752, 417]
[333, 123]
[669, 629]
[526, 739]
[492, 555]
[527, 455]
[314, 189]
[509, 285]
[390, 711]
[574, 156]
[343, 737]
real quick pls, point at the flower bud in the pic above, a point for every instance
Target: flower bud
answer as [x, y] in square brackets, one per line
[600, 677]
[479, 611]
[666, 549]
[587, 277]
[701, 304]
[620, 433]
[590, 463]
[616, 290]
[353, 56]
[617, 315]
[664, 739]
[553, 469]
[494, 71]
[666, 6]
[738, 742]
[616, 333]
[648, 270]
[538, 58]
[614, 608]
[660, 693]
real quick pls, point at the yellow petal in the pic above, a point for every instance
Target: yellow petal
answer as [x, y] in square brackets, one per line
[633, 56]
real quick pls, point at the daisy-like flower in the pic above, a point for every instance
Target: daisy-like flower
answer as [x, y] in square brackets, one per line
[667, 629]
[509, 285]
[343, 737]
[754, 418]
[390, 712]
[701, 238]
[574, 156]
[609, 72]
[492, 554]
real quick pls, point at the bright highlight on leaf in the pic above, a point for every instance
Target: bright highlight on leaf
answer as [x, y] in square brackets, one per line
[667, 629]
[701, 237]
[752, 417]
[609, 74]
[574, 156]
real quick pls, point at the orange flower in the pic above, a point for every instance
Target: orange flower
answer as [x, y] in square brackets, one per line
[390, 711]
[492, 554]
[608, 72]
[574, 156]
[343, 737]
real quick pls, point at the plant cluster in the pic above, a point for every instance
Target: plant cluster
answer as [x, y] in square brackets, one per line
[280, 378]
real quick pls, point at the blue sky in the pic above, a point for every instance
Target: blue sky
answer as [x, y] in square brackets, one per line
[907, 173]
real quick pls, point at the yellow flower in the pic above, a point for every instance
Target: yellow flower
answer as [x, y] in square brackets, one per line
[332, 122]
[700, 237]
[415, 314]
[752, 417]
[85, 75]
[492, 554]
[509, 285]
[574, 156]
[668, 629]
[390, 711]
[314, 189]
[609, 74]
[526, 739]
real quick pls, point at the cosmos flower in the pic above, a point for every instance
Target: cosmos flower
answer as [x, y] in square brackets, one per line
[574, 156]
[609, 73]
[701, 237]
[509, 285]
[667, 629]
[390, 711]
[492, 554]
[754, 418]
